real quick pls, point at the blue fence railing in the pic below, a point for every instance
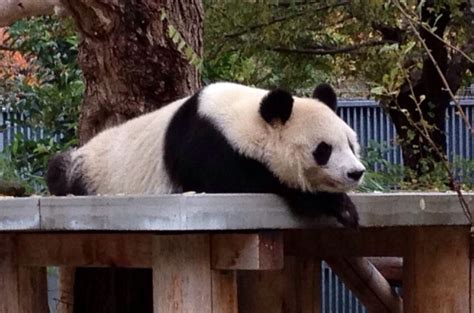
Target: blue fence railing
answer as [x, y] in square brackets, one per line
[371, 124]
[335, 296]
[364, 116]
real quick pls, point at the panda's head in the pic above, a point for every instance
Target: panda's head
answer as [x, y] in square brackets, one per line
[312, 147]
[301, 140]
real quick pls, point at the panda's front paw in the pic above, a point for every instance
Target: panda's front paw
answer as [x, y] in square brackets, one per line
[346, 212]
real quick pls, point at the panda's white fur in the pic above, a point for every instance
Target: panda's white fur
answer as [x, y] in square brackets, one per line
[110, 162]
[131, 158]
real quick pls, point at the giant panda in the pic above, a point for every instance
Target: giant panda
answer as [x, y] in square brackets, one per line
[226, 138]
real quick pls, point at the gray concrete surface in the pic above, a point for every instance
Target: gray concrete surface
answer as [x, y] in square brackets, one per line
[183, 212]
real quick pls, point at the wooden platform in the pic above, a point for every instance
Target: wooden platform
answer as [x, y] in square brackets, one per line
[240, 253]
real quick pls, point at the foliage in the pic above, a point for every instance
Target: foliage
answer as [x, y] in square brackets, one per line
[50, 102]
[297, 44]
[383, 176]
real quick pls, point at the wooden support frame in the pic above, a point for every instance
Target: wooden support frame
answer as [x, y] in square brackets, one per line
[439, 249]
[436, 271]
[294, 289]
[181, 274]
[183, 280]
[24, 289]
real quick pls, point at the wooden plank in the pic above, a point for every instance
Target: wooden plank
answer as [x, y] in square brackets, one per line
[342, 242]
[33, 289]
[22, 290]
[295, 289]
[66, 290]
[224, 292]
[254, 251]
[302, 277]
[370, 287]
[436, 270]
[182, 274]
[9, 293]
[97, 250]
[258, 251]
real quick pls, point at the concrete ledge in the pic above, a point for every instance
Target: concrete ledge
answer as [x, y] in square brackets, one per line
[19, 214]
[189, 212]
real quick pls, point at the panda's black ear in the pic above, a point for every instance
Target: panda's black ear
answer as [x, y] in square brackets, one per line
[326, 95]
[276, 106]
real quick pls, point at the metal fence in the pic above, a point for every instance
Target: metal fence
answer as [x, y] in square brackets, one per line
[364, 116]
[335, 296]
[9, 128]
[371, 124]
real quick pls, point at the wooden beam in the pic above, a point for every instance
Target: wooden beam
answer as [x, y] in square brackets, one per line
[22, 289]
[181, 274]
[74, 250]
[370, 287]
[295, 289]
[256, 251]
[436, 270]
[229, 251]
[390, 267]
[389, 241]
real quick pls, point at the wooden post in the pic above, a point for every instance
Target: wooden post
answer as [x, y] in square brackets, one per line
[295, 289]
[224, 292]
[181, 274]
[66, 289]
[22, 289]
[436, 270]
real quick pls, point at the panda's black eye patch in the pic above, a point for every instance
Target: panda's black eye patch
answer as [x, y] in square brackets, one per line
[322, 153]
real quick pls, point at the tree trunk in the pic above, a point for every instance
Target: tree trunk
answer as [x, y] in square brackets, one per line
[131, 66]
[419, 154]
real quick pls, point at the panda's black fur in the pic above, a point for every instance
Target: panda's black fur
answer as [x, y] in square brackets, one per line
[198, 157]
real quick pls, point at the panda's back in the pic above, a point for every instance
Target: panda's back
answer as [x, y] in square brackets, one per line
[129, 158]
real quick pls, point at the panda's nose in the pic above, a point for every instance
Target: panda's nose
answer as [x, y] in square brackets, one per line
[356, 175]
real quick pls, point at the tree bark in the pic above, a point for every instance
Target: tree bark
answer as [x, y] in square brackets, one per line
[13, 10]
[131, 66]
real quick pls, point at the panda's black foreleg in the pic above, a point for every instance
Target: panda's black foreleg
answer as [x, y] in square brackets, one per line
[338, 205]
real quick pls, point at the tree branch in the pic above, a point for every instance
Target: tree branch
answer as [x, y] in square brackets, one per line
[283, 18]
[335, 50]
[14, 10]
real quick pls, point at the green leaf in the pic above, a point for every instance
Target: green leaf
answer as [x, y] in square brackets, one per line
[379, 91]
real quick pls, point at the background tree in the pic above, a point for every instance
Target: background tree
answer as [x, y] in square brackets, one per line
[376, 46]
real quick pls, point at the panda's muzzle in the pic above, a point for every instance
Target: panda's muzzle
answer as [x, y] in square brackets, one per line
[356, 175]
